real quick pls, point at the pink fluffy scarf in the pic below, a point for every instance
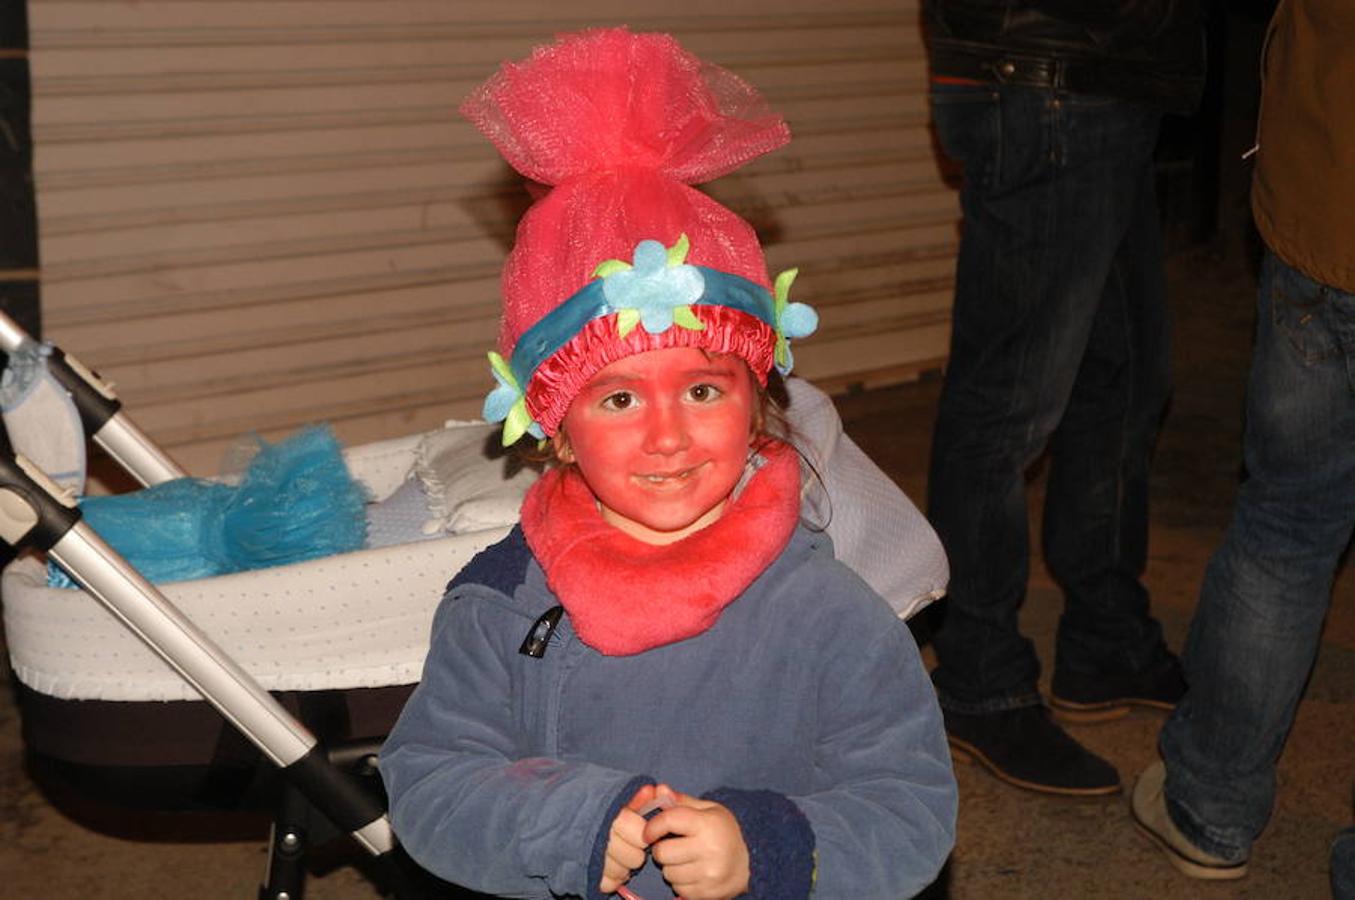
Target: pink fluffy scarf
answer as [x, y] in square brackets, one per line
[625, 596]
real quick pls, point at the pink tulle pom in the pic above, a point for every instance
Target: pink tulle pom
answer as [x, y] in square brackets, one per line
[608, 99]
[619, 125]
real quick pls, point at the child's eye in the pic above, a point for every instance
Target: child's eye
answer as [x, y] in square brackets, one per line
[703, 393]
[618, 401]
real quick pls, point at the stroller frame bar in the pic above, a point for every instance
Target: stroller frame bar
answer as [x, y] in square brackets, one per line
[141, 607]
[136, 453]
[222, 682]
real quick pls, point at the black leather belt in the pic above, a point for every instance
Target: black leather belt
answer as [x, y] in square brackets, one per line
[1006, 68]
[1118, 78]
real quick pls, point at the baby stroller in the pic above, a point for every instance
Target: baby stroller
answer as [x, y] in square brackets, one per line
[91, 692]
[156, 673]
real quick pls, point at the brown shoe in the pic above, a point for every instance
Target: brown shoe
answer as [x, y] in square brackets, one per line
[1149, 806]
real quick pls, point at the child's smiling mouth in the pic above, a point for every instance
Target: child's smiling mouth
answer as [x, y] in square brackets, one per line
[678, 476]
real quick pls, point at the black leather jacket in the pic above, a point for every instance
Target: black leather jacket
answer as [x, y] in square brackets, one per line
[1148, 50]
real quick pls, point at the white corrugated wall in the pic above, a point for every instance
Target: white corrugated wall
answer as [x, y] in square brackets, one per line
[258, 214]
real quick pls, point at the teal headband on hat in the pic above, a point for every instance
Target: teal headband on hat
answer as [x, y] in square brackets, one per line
[656, 292]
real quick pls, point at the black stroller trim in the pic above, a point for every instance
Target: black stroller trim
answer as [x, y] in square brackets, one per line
[34, 512]
[92, 396]
[190, 733]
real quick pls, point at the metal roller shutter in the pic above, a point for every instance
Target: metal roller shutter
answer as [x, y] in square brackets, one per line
[258, 214]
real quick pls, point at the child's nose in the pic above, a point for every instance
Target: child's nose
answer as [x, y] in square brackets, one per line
[665, 429]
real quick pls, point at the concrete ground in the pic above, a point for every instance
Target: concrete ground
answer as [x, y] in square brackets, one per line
[1011, 843]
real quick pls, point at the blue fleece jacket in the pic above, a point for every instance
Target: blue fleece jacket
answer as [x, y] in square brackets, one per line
[805, 709]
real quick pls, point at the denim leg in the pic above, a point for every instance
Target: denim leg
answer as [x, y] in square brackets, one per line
[1096, 497]
[1053, 187]
[1343, 866]
[1266, 590]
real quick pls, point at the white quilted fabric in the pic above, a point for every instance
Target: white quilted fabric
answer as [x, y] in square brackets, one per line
[875, 528]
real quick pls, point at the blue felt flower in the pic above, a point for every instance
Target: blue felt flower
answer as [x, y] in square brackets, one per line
[793, 320]
[656, 291]
[508, 404]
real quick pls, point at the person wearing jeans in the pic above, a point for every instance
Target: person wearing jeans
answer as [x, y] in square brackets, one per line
[1259, 622]
[1265, 594]
[1266, 590]
[1060, 343]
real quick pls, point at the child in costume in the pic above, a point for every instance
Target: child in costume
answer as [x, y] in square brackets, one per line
[660, 632]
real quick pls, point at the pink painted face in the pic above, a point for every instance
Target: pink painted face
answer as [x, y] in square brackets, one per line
[661, 438]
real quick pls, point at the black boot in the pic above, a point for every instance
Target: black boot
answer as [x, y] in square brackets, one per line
[1080, 698]
[1025, 748]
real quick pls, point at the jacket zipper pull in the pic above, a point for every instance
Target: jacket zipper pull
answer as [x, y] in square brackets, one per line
[534, 645]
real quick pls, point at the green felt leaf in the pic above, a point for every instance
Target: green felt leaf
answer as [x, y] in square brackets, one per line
[677, 254]
[499, 365]
[686, 318]
[626, 320]
[517, 423]
[781, 289]
[607, 267]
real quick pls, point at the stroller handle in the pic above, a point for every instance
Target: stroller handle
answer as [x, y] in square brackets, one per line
[100, 410]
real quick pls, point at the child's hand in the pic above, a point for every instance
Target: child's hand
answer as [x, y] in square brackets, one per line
[626, 845]
[700, 848]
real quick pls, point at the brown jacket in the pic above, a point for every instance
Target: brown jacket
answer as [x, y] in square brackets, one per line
[1303, 192]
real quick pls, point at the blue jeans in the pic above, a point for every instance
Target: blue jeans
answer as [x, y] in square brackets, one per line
[1266, 590]
[1060, 342]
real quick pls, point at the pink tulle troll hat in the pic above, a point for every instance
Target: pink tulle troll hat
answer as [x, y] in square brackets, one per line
[621, 256]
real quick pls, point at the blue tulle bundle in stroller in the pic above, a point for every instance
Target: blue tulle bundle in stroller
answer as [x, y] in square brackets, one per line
[295, 501]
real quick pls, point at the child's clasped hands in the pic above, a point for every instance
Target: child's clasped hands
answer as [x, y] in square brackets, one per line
[696, 843]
